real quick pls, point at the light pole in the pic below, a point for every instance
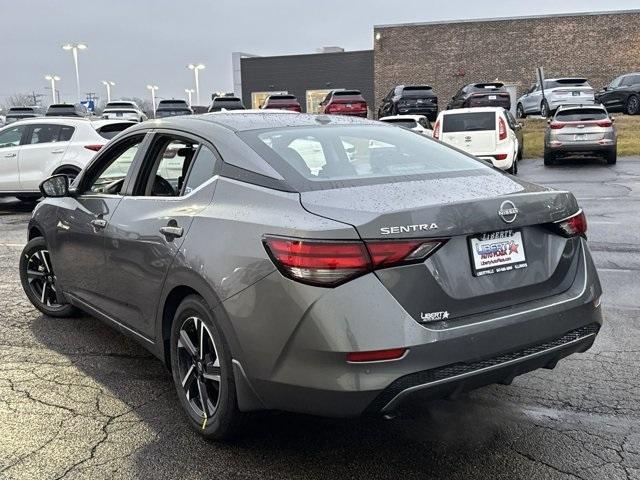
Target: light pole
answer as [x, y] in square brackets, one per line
[53, 79]
[153, 89]
[189, 91]
[74, 47]
[108, 84]
[196, 67]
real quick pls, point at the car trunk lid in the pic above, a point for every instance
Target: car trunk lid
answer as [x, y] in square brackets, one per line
[473, 132]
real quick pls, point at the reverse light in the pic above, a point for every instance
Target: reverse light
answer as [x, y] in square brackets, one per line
[572, 226]
[376, 355]
[502, 129]
[331, 263]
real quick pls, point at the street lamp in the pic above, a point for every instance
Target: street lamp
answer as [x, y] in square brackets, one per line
[189, 91]
[108, 84]
[153, 89]
[53, 79]
[196, 67]
[74, 47]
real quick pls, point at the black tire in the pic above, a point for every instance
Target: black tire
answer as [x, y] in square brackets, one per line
[514, 167]
[520, 111]
[611, 157]
[544, 109]
[633, 105]
[38, 279]
[222, 419]
[28, 198]
[549, 159]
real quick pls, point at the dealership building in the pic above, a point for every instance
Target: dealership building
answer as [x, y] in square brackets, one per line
[308, 77]
[448, 55]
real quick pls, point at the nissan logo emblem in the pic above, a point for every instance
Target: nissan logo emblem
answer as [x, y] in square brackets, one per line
[508, 211]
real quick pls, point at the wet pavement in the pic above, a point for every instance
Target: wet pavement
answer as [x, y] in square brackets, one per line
[79, 400]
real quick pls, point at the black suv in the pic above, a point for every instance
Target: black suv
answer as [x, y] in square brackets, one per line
[410, 100]
[622, 94]
[492, 94]
[228, 103]
[67, 110]
[173, 108]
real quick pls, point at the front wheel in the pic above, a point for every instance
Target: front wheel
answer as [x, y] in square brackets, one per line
[633, 105]
[520, 111]
[202, 371]
[39, 280]
[544, 109]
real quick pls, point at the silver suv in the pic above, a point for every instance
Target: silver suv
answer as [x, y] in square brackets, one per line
[581, 130]
[555, 93]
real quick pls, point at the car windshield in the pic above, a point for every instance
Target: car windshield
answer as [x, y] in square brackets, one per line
[581, 115]
[402, 122]
[468, 122]
[325, 154]
[417, 92]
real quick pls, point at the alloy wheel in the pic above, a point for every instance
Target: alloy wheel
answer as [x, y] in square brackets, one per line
[633, 105]
[41, 279]
[199, 367]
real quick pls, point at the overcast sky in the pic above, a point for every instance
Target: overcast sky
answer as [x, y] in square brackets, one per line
[136, 42]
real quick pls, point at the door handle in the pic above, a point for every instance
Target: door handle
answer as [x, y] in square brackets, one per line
[99, 223]
[58, 151]
[171, 232]
[9, 155]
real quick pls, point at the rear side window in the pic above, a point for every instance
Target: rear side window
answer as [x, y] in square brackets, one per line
[112, 129]
[201, 170]
[468, 122]
[631, 80]
[66, 132]
[581, 115]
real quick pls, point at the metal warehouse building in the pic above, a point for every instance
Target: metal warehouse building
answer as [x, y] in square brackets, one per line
[308, 77]
[448, 55]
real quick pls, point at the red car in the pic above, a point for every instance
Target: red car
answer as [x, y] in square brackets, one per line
[282, 102]
[345, 102]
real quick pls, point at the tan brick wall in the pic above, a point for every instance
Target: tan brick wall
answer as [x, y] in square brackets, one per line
[450, 55]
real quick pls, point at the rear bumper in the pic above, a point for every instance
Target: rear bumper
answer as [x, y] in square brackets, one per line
[581, 148]
[419, 110]
[309, 373]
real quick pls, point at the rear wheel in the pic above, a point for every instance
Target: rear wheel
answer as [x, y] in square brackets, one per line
[202, 371]
[633, 105]
[520, 111]
[514, 166]
[549, 158]
[611, 157]
[544, 109]
[39, 280]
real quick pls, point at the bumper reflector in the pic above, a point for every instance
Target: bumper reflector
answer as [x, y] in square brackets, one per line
[376, 355]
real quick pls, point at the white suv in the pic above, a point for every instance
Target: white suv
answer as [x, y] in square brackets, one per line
[490, 133]
[123, 110]
[34, 149]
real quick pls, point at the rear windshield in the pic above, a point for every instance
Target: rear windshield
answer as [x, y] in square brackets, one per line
[288, 98]
[342, 155]
[581, 115]
[402, 122]
[21, 109]
[112, 129]
[60, 110]
[21, 115]
[172, 103]
[566, 82]
[469, 122]
[488, 86]
[119, 110]
[226, 101]
[171, 112]
[417, 91]
[119, 105]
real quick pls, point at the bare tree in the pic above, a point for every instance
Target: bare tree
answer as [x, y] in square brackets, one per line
[22, 99]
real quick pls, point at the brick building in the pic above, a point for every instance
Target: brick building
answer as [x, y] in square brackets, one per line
[448, 55]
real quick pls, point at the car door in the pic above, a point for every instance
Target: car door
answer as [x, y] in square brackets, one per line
[533, 99]
[42, 151]
[150, 224]
[10, 139]
[628, 87]
[77, 248]
[611, 97]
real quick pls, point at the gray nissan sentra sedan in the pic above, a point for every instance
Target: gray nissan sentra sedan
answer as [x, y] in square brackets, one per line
[320, 264]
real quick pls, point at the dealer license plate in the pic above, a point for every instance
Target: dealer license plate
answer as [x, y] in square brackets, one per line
[497, 252]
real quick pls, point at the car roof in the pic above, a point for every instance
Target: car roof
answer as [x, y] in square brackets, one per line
[243, 120]
[68, 120]
[581, 106]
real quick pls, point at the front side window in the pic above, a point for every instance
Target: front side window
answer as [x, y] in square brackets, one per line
[11, 137]
[355, 154]
[45, 133]
[117, 164]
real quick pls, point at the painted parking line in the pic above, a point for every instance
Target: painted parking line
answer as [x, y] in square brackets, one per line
[12, 245]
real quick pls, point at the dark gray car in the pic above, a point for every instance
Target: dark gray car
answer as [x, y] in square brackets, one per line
[320, 264]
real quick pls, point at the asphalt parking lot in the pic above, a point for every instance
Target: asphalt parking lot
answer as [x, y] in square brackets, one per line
[78, 400]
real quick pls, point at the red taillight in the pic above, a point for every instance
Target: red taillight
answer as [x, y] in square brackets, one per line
[502, 129]
[500, 156]
[330, 263]
[572, 226]
[376, 355]
[556, 125]
[95, 147]
[436, 130]
[604, 123]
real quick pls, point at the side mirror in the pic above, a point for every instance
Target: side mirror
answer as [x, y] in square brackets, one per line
[55, 186]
